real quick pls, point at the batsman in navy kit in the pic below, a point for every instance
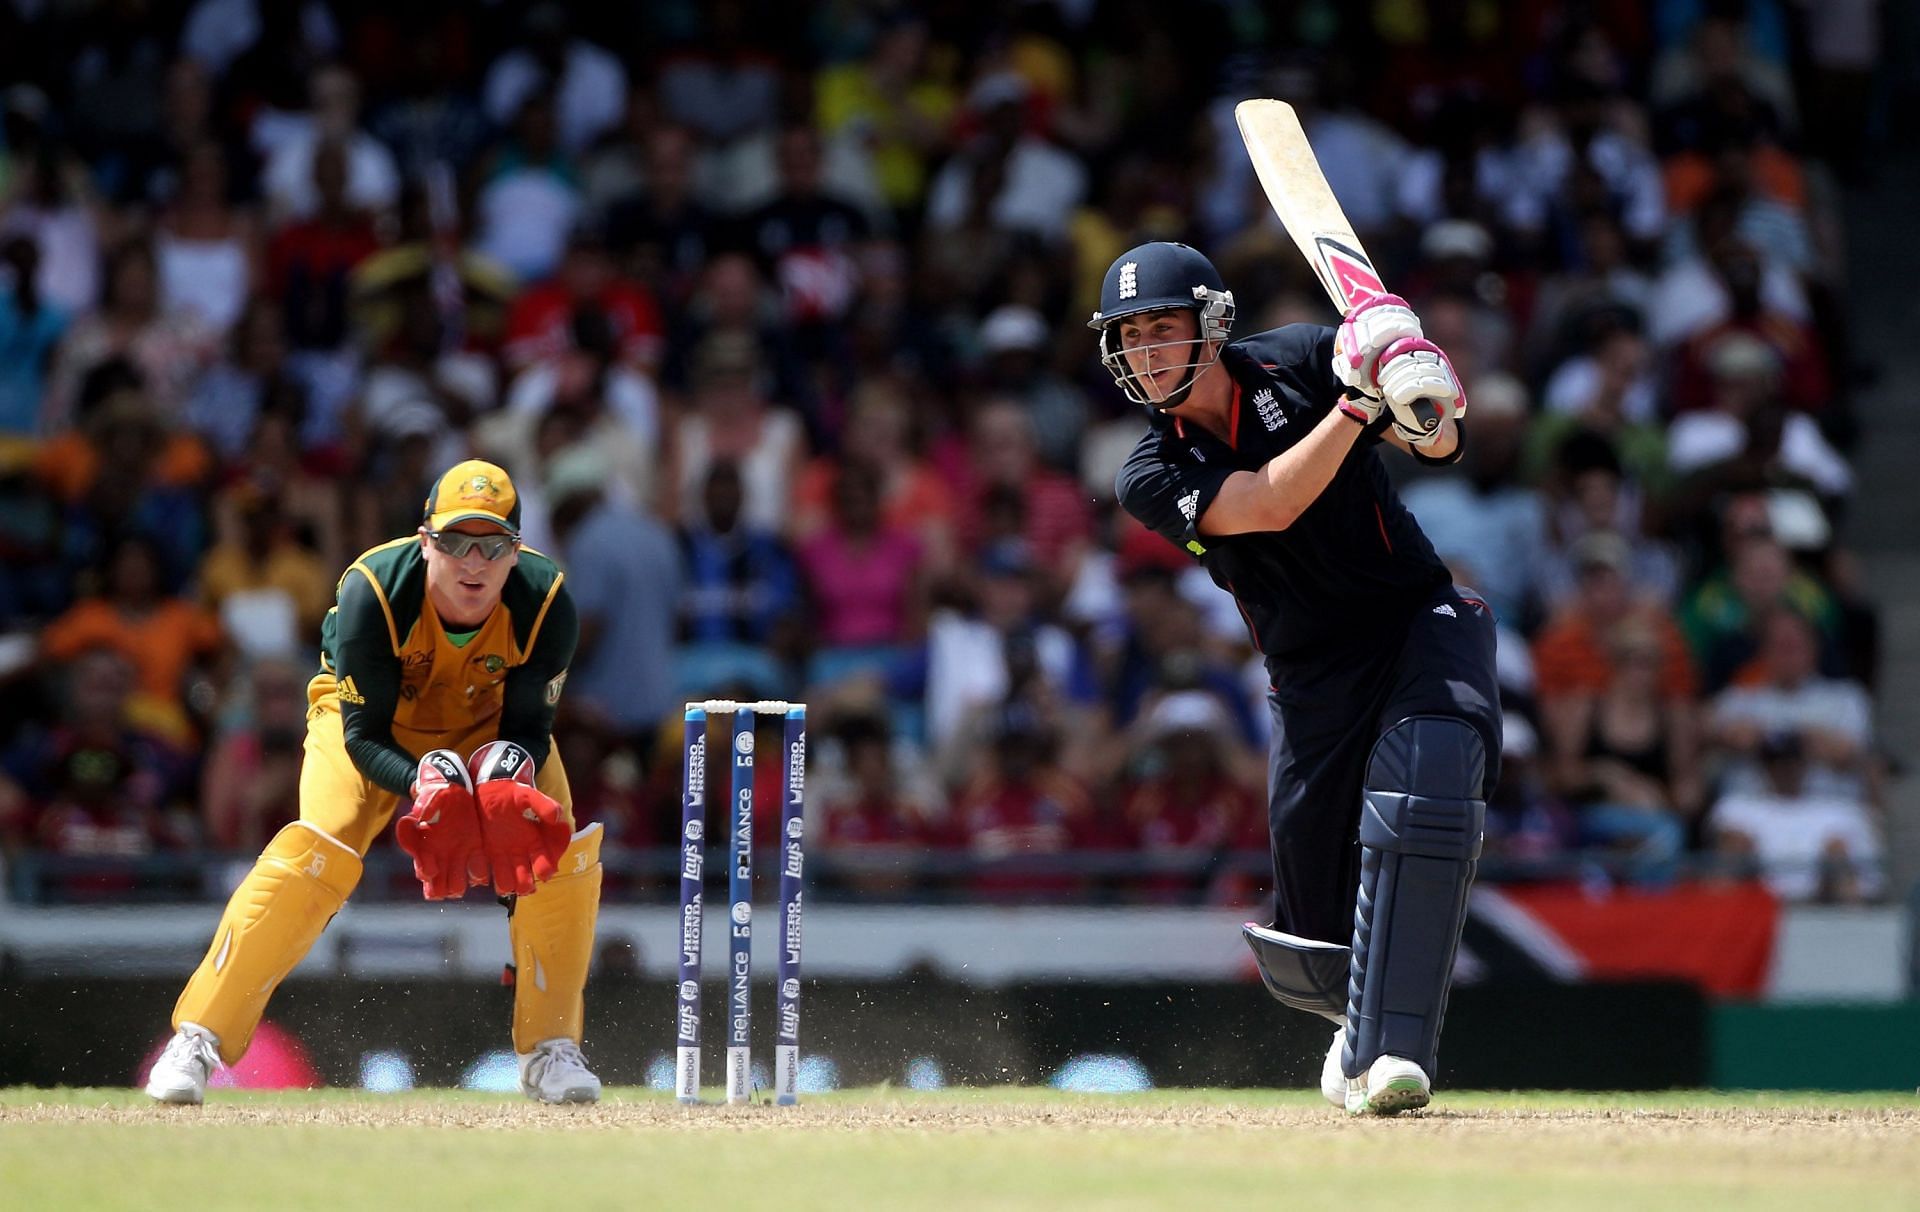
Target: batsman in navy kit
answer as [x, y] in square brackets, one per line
[1263, 462]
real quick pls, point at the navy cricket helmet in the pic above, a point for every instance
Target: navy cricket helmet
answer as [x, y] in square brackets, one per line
[1162, 276]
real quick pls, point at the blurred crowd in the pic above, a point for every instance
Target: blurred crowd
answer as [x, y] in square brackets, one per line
[776, 314]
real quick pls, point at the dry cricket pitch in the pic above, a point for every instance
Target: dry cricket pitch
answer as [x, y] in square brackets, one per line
[1004, 1148]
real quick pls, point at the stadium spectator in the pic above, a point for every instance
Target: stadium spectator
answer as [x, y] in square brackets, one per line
[1745, 432]
[1782, 691]
[529, 195]
[610, 789]
[1709, 356]
[1724, 614]
[866, 579]
[169, 348]
[1604, 410]
[742, 585]
[1594, 497]
[97, 782]
[723, 85]
[1017, 355]
[608, 402]
[878, 435]
[893, 106]
[206, 250]
[306, 488]
[1809, 846]
[163, 638]
[588, 83]
[1697, 289]
[1010, 490]
[1576, 667]
[1490, 528]
[269, 589]
[664, 233]
[731, 418]
[124, 468]
[1192, 798]
[30, 328]
[46, 201]
[807, 241]
[876, 823]
[427, 112]
[1527, 826]
[540, 328]
[416, 386]
[989, 638]
[624, 572]
[251, 784]
[251, 376]
[311, 260]
[1010, 170]
[292, 147]
[1021, 806]
[1628, 757]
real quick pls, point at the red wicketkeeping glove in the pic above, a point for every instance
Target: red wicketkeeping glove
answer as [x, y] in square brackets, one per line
[442, 831]
[525, 831]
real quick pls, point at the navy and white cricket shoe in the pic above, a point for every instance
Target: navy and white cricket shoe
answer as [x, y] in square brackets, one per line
[1390, 1085]
[1333, 1076]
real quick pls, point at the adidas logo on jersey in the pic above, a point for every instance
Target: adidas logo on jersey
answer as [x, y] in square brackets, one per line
[349, 693]
[1446, 609]
[1269, 409]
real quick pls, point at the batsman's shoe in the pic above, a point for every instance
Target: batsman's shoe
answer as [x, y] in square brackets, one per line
[556, 1072]
[181, 1073]
[1333, 1077]
[1390, 1085]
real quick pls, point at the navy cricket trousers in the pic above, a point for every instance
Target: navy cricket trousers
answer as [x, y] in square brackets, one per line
[1328, 713]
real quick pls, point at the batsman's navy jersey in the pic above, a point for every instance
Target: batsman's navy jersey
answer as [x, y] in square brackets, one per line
[1354, 558]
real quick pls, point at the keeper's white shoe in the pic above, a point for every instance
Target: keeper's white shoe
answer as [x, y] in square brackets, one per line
[181, 1073]
[1392, 1084]
[556, 1072]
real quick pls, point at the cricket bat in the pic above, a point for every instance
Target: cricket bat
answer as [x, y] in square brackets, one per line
[1300, 195]
[1305, 203]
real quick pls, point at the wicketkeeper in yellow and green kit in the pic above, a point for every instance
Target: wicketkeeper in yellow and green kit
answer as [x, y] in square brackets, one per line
[440, 667]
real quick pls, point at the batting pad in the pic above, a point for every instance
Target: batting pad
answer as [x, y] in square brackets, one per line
[552, 932]
[296, 886]
[1420, 831]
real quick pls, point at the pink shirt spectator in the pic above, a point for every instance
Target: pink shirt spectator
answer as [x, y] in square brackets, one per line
[861, 589]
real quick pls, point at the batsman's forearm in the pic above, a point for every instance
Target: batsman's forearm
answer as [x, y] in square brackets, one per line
[1295, 478]
[1445, 447]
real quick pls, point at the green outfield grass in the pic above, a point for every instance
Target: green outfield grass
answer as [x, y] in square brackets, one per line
[432, 1150]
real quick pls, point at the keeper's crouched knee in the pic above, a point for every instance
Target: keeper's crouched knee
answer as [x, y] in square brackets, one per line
[553, 934]
[297, 884]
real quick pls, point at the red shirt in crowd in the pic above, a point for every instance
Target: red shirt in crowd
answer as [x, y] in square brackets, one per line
[540, 326]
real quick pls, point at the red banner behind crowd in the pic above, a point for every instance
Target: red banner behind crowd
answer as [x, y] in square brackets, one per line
[1717, 936]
